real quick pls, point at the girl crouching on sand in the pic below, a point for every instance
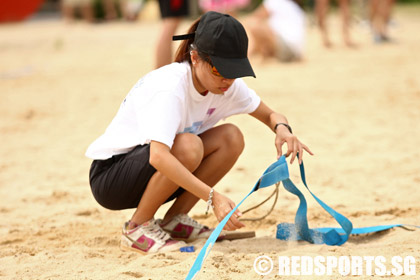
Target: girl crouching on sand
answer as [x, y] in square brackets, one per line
[163, 144]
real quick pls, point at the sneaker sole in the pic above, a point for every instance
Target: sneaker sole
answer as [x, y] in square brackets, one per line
[186, 240]
[131, 249]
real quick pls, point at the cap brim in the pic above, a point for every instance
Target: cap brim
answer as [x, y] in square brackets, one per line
[232, 68]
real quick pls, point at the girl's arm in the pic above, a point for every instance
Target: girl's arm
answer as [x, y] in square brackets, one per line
[267, 116]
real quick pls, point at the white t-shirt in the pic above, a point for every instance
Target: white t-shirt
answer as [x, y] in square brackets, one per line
[165, 103]
[287, 20]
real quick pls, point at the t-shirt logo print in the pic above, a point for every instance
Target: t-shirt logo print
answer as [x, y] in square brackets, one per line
[196, 125]
[194, 128]
[211, 111]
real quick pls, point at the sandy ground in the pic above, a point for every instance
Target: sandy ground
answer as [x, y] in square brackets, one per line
[60, 85]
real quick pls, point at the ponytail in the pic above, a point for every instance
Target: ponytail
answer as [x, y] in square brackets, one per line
[183, 52]
[299, 3]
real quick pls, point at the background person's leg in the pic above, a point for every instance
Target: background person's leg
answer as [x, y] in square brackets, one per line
[87, 10]
[262, 40]
[164, 45]
[376, 17]
[346, 16]
[321, 9]
[386, 18]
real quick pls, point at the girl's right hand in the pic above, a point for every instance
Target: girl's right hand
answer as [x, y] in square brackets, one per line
[222, 207]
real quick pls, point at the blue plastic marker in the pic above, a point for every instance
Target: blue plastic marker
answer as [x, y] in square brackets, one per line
[187, 249]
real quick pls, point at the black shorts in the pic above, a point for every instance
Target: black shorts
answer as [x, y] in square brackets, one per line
[173, 8]
[119, 182]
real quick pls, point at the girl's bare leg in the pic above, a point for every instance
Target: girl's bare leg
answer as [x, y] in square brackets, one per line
[209, 157]
[188, 149]
[222, 147]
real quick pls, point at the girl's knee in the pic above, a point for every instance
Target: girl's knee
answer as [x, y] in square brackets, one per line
[188, 149]
[233, 138]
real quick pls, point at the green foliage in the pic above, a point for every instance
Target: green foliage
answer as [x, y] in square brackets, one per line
[409, 1]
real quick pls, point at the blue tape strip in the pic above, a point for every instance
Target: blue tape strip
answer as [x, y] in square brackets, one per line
[300, 230]
[210, 242]
[273, 174]
[329, 236]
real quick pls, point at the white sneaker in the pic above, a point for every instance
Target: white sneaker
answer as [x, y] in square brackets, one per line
[148, 238]
[182, 227]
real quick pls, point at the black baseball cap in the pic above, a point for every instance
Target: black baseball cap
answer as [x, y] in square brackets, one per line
[224, 39]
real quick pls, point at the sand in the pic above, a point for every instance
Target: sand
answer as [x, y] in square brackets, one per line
[61, 84]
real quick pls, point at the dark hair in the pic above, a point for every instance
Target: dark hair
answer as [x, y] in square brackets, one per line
[183, 51]
[300, 3]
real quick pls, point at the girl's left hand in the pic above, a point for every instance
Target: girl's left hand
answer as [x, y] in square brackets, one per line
[294, 146]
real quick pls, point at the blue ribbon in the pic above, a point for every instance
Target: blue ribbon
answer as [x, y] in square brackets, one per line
[275, 173]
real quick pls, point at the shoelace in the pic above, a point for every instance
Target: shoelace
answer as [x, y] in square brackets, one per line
[190, 221]
[157, 232]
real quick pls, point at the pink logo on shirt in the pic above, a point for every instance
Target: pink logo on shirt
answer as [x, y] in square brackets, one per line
[211, 111]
